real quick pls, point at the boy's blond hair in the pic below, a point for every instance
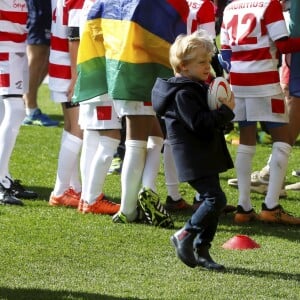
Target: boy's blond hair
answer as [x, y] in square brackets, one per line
[183, 49]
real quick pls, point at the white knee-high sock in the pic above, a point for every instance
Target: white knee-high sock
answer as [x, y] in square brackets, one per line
[89, 147]
[75, 181]
[152, 163]
[14, 114]
[171, 176]
[68, 157]
[2, 109]
[131, 176]
[100, 164]
[243, 166]
[278, 167]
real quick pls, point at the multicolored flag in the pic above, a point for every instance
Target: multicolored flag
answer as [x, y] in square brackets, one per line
[125, 45]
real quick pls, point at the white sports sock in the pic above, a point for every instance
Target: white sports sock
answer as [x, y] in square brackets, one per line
[68, 158]
[243, 165]
[152, 163]
[30, 111]
[89, 148]
[132, 171]
[2, 109]
[14, 113]
[100, 164]
[278, 167]
[75, 181]
[171, 176]
[266, 168]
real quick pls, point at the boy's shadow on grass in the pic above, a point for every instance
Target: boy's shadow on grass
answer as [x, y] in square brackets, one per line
[40, 294]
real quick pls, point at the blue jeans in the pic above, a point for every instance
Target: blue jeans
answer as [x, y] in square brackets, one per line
[204, 221]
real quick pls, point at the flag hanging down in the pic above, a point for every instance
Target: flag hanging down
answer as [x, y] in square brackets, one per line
[124, 47]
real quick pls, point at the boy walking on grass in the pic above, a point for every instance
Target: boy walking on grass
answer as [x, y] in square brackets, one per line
[196, 136]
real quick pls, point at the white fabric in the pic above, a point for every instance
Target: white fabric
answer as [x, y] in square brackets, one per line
[89, 147]
[98, 113]
[243, 165]
[132, 171]
[14, 113]
[272, 109]
[171, 176]
[278, 166]
[124, 108]
[100, 164]
[152, 163]
[67, 160]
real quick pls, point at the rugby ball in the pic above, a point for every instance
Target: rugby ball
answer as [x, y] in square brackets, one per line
[218, 88]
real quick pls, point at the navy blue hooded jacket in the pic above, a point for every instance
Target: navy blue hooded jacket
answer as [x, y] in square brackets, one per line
[194, 131]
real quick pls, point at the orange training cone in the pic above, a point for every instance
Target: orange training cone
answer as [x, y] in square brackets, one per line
[240, 242]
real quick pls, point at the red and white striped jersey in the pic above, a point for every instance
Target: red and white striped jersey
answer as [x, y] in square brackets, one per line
[13, 18]
[249, 29]
[65, 14]
[201, 16]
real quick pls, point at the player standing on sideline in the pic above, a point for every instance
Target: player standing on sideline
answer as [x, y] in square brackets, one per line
[13, 83]
[101, 137]
[197, 141]
[62, 78]
[139, 52]
[38, 48]
[252, 33]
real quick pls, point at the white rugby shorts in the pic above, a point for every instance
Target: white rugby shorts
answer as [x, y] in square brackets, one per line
[133, 108]
[269, 109]
[98, 114]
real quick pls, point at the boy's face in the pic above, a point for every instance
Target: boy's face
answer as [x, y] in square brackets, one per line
[198, 69]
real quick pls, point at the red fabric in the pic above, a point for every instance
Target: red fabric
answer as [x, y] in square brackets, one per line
[288, 45]
[277, 106]
[103, 112]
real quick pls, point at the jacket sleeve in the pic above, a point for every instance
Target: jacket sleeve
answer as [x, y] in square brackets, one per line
[193, 111]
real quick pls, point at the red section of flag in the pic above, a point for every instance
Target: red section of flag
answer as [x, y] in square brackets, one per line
[103, 112]
[148, 103]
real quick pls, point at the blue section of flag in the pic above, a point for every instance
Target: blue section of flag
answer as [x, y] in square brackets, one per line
[161, 18]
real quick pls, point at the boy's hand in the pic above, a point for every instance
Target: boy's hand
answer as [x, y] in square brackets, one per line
[229, 102]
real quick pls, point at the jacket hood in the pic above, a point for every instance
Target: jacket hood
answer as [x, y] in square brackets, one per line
[164, 91]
